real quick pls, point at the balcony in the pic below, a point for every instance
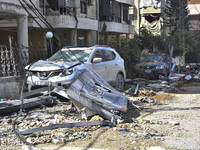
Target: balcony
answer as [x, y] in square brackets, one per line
[150, 10]
[67, 21]
[10, 9]
[117, 27]
[110, 18]
[129, 2]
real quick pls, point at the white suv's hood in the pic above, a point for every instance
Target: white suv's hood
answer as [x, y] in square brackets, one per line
[44, 65]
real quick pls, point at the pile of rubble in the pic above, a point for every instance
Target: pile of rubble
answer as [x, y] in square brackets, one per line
[58, 114]
[139, 93]
[46, 116]
[65, 113]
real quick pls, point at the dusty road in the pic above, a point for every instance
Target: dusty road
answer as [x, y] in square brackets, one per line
[168, 124]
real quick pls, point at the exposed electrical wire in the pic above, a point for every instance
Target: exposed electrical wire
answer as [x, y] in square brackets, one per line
[20, 113]
[25, 5]
[46, 22]
[38, 15]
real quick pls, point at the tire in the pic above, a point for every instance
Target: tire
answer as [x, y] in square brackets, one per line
[119, 83]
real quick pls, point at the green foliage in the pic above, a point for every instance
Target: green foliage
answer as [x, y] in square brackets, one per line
[177, 21]
[194, 55]
[146, 40]
[184, 45]
[131, 51]
[176, 16]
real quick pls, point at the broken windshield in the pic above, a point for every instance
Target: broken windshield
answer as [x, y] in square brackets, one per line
[71, 56]
[152, 58]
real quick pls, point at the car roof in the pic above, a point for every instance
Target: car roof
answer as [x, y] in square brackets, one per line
[84, 48]
[76, 48]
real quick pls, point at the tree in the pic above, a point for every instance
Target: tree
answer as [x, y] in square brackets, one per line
[176, 16]
[177, 21]
[146, 40]
[190, 43]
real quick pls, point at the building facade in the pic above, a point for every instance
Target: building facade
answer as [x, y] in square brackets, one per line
[24, 24]
[149, 14]
[194, 14]
[72, 22]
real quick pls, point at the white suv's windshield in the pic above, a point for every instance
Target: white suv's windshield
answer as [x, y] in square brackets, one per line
[71, 55]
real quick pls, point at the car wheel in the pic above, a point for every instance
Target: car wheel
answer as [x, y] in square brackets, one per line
[119, 84]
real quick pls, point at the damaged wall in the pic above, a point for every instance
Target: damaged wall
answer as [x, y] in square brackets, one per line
[150, 3]
[150, 15]
[152, 22]
[179, 60]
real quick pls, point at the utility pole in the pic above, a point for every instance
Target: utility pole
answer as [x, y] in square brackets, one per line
[181, 20]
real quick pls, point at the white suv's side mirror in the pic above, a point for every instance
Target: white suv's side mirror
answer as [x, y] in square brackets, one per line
[97, 60]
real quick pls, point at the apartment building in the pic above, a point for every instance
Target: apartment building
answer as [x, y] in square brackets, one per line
[149, 14]
[72, 22]
[194, 14]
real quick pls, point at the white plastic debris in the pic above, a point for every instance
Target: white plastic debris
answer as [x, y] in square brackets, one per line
[188, 77]
[156, 148]
[174, 123]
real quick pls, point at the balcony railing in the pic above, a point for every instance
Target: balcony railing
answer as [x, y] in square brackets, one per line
[110, 18]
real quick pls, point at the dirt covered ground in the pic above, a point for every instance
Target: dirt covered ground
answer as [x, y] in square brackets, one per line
[170, 121]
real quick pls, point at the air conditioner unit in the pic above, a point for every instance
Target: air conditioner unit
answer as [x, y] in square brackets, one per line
[91, 2]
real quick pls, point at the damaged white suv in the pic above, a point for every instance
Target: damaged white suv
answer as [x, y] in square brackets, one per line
[65, 66]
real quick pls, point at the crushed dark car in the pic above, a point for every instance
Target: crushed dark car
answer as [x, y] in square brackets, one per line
[156, 64]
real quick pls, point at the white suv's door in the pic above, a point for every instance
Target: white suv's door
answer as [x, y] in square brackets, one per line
[112, 68]
[99, 67]
[107, 69]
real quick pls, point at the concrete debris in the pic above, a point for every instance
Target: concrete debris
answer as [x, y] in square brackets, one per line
[176, 77]
[188, 77]
[156, 148]
[146, 93]
[96, 101]
[96, 118]
[174, 123]
[197, 76]
[46, 116]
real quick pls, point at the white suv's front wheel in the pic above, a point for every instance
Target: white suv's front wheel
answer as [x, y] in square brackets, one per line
[119, 83]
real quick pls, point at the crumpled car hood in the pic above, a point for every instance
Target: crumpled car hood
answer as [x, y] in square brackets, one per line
[93, 92]
[44, 65]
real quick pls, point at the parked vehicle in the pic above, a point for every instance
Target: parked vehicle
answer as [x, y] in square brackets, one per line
[156, 64]
[67, 64]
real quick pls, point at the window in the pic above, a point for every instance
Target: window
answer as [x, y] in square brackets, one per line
[41, 3]
[83, 6]
[125, 13]
[108, 55]
[98, 54]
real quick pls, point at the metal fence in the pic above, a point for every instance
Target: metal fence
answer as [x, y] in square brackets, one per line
[13, 59]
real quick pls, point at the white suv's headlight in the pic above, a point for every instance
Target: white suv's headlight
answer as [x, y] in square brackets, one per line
[160, 67]
[67, 72]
